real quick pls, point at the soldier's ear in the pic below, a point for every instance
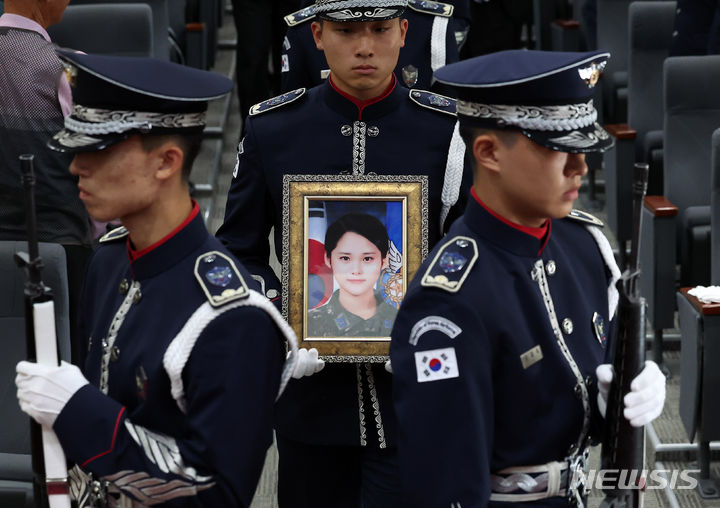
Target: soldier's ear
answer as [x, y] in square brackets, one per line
[317, 29]
[170, 160]
[485, 150]
[328, 263]
[403, 31]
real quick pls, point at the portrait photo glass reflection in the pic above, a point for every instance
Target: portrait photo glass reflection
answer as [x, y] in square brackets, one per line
[354, 272]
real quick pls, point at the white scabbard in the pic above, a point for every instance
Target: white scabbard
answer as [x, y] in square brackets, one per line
[56, 482]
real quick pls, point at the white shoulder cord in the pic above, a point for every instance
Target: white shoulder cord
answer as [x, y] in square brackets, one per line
[179, 350]
[609, 258]
[453, 174]
[437, 42]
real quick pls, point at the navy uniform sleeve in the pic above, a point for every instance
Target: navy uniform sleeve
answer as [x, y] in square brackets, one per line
[296, 68]
[231, 380]
[443, 397]
[249, 213]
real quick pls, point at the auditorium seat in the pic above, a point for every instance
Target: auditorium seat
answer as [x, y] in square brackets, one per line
[677, 225]
[650, 35]
[160, 23]
[107, 29]
[15, 468]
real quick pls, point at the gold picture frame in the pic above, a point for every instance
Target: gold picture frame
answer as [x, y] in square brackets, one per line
[317, 287]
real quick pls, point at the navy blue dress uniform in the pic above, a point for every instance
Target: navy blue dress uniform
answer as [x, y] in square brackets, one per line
[317, 131]
[322, 131]
[430, 43]
[697, 28]
[178, 409]
[496, 343]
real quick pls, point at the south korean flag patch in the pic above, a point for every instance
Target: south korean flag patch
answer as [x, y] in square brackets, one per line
[436, 364]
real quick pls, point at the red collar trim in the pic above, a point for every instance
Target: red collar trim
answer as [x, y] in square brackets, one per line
[360, 104]
[134, 255]
[542, 233]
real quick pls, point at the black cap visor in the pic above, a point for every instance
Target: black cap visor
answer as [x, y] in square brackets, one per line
[592, 138]
[67, 141]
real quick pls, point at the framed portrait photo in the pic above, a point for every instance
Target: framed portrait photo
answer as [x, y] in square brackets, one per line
[351, 244]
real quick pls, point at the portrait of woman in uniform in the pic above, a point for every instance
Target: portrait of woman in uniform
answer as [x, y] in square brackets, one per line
[350, 246]
[367, 285]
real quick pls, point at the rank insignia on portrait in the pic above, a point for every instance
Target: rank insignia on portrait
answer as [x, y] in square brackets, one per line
[434, 101]
[114, 235]
[585, 217]
[219, 278]
[276, 102]
[452, 264]
[429, 7]
[341, 322]
[598, 324]
[436, 365]
[300, 16]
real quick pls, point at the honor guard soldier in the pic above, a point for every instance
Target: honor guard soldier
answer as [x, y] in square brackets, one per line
[430, 44]
[497, 342]
[335, 429]
[185, 359]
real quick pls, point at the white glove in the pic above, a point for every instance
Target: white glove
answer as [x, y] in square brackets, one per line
[44, 390]
[646, 399]
[307, 363]
[605, 376]
[388, 366]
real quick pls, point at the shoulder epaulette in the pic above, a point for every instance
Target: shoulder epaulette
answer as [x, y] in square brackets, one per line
[114, 235]
[452, 264]
[585, 217]
[433, 101]
[300, 16]
[219, 278]
[435, 8]
[276, 102]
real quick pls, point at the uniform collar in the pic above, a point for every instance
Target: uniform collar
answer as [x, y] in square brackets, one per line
[356, 110]
[500, 232]
[172, 249]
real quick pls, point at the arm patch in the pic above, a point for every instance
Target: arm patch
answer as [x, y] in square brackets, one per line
[433, 101]
[276, 102]
[219, 278]
[114, 235]
[300, 16]
[451, 265]
[584, 217]
[434, 8]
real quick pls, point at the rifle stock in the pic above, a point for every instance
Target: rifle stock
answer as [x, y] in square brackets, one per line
[623, 446]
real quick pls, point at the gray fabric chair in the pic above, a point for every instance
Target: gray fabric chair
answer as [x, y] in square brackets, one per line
[650, 26]
[612, 36]
[15, 468]
[160, 23]
[108, 29]
[678, 223]
[700, 335]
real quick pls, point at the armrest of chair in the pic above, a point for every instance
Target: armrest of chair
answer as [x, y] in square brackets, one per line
[658, 259]
[660, 206]
[196, 38]
[619, 162]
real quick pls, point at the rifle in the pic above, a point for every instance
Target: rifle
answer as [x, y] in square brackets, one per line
[623, 446]
[50, 486]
